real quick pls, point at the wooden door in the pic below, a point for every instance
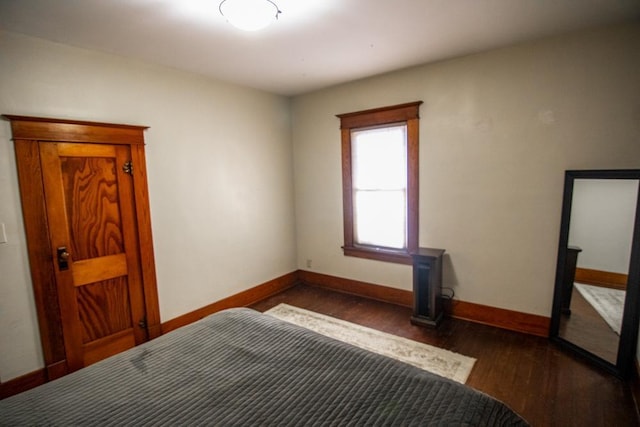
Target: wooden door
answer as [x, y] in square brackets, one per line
[92, 231]
[85, 204]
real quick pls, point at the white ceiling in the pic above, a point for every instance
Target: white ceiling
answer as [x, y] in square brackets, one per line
[315, 43]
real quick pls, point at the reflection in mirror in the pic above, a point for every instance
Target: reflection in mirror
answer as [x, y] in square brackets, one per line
[597, 293]
[600, 237]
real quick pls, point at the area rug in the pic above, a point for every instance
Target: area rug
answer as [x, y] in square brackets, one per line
[609, 303]
[433, 359]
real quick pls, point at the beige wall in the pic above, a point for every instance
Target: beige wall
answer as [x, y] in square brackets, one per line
[497, 131]
[220, 177]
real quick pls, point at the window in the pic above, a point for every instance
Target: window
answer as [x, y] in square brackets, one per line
[380, 182]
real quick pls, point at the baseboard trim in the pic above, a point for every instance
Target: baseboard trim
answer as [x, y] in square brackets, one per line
[497, 317]
[491, 316]
[605, 279]
[23, 383]
[241, 299]
[501, 318]
[355, 287]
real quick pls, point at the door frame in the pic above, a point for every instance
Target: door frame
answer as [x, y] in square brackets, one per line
[27, 133]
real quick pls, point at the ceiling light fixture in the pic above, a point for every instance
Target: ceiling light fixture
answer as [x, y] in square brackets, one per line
[249, 15]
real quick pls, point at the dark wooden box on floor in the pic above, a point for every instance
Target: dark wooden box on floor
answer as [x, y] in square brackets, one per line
[427, 287]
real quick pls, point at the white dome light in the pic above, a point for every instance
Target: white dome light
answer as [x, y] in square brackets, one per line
[249, 15]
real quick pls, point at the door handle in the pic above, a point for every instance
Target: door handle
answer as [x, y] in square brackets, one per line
[63, 258]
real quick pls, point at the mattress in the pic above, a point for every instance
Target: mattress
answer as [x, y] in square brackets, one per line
[240, 367]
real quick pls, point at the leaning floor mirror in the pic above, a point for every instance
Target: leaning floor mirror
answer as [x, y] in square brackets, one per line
[597, 289]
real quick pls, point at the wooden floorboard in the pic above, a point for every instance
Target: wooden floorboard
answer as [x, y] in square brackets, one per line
[587, 329]
[544, 384]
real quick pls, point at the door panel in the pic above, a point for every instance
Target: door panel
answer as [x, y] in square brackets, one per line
[92, 205]
[103, 309]
[110, 244]
[91, 213]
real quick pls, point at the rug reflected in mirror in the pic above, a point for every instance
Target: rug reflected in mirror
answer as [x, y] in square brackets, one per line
[433, 359]
[609, 303]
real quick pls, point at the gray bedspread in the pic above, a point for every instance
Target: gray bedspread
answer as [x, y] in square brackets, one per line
[243, 368]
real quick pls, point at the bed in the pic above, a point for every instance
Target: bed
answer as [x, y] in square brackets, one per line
[240, 367]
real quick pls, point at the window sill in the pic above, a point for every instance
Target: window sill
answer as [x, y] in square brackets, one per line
[378, 254]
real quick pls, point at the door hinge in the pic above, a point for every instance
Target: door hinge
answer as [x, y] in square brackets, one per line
[128, 167]
[143, 324]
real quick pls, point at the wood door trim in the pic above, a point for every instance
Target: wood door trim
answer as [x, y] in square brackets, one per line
[27, 134]
[45, 129]
[145, 241]
[132, 240]
[39, 250]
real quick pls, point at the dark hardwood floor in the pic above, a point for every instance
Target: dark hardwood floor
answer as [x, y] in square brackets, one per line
[544, 384]
[587, 329]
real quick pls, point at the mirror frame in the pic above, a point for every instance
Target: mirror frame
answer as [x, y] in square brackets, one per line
[624, 365]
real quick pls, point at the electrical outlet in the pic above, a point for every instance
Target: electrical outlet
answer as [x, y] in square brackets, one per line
[309, 263]
[3, 234]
